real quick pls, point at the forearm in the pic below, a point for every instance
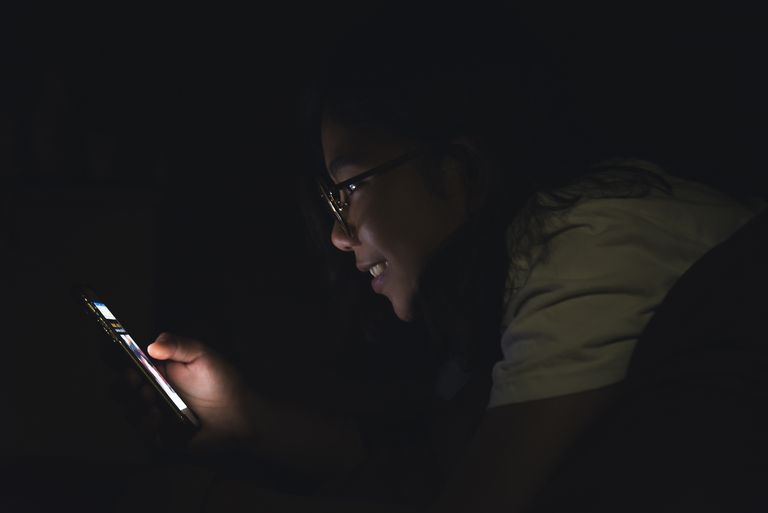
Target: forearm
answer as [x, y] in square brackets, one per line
[309, 441]
[233, 496]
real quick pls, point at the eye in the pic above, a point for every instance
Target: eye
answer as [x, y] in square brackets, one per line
[347, 191]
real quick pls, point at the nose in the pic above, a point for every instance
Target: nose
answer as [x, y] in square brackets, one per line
[341, 239]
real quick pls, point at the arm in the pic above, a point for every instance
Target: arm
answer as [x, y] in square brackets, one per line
[513, 453]
[232, 496]
[308, 440]
[516, 449]
[236, 417]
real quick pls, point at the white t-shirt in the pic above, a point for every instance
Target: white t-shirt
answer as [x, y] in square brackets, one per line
[571, 321]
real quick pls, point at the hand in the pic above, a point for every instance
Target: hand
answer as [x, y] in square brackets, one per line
[235, 420]
[212, 388]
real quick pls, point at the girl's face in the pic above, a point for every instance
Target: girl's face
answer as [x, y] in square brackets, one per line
[396, 219]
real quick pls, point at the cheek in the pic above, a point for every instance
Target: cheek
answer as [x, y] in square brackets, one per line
[387, 233]
[409, 228]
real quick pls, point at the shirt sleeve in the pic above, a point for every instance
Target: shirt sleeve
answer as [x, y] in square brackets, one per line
[574, 323]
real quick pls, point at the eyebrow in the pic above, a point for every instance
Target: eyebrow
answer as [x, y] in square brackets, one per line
[340, 162]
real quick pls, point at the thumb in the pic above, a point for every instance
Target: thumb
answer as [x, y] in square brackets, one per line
[168, 346]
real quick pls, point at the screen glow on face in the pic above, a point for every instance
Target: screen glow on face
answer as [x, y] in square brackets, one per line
[104, 311]
[155, 373]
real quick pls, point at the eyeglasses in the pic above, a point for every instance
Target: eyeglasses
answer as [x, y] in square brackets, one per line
[331, 193]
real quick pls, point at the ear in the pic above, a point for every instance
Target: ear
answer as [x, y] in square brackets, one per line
[469, 161]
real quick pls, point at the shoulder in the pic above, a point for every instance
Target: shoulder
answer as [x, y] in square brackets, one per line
[606, 219]
[575, 312]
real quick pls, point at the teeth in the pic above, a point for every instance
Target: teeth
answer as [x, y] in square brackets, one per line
[377, 269]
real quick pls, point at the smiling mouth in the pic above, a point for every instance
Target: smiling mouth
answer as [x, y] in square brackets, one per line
[377, 269]
[379, 274]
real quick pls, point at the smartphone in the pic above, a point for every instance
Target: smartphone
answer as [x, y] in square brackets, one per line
[99, 311]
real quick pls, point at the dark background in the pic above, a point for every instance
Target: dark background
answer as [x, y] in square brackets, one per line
[151, 153]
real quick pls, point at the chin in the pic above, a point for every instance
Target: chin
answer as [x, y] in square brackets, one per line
[403, 311]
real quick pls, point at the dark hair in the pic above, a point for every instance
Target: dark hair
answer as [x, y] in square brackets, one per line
[490, 77]
[434, 78]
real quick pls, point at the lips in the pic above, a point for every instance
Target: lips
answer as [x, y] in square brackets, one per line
[378, 270]
[366, 267]
[378, 281]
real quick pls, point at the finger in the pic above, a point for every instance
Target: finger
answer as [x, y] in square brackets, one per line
[168, 346]
[135, 410]
[120, 391]
[149, 424]
[147, 394]
[149, 421]
[133, 377]
[124, 386]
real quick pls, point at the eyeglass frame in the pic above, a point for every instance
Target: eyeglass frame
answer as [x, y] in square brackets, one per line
[329, 191]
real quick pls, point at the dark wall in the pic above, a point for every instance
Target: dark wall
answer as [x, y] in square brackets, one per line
[150, 154]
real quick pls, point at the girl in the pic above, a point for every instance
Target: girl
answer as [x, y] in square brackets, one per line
[524, 264]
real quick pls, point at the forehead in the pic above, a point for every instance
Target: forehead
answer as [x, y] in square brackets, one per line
[358, 141]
